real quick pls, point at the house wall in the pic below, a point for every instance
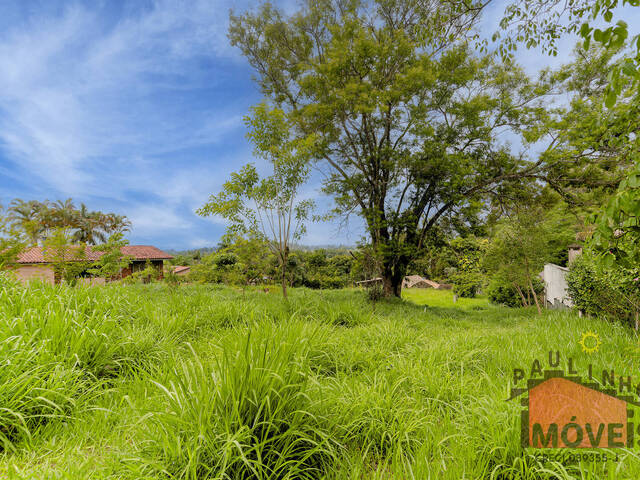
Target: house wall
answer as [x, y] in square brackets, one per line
[137, 266]
[574, 252]
[27, 273]
[555, 286]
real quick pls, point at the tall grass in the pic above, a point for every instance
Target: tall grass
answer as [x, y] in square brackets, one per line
[247, 414]
[210, 383]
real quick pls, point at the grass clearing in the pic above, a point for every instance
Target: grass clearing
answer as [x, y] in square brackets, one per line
[206, 382]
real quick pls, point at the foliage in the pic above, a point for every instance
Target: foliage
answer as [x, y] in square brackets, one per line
[601, 290]
[67, 260]
[590, 147]
[321, 268]
[205, 271]
[523, 243]
[112, 261]
[467, 283]
[541, 23]
[615, 243]
[501, 291]
[252, 256]
[38, 220]
[268, 208]
[12, 241]
[408, 119]
[149, 273]
[171, 279]
[618, 225]
[468, 279]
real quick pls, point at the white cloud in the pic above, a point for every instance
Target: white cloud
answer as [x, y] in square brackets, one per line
[74, 91]
[148, 219]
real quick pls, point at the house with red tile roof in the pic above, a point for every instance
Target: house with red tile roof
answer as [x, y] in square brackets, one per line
[32, 264]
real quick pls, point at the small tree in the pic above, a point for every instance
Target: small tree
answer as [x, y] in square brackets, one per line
[148, 274]
[522, 244]
[268, 208]
[253, 259]
[112, 261]
[67, 260]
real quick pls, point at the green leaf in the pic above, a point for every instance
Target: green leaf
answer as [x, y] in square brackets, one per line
[610, 98]
[608, 259]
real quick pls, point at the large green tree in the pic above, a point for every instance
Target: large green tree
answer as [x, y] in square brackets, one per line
[408, 119]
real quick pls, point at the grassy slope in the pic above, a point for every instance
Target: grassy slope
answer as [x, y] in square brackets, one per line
[148, 382]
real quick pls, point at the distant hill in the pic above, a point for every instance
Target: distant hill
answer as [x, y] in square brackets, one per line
[305, 248]
[310, 248]
[202, 251]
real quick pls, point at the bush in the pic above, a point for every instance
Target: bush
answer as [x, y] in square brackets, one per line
[502, 292]
[467, 284]
[375, 292]
[592, 290]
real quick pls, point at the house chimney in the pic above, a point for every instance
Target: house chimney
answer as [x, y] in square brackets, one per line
[575, 251]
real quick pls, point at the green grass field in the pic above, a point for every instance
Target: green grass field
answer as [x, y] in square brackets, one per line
[205, 382]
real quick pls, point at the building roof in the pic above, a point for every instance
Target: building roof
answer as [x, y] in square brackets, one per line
[180, 268]
[413, 280]
[138, 252]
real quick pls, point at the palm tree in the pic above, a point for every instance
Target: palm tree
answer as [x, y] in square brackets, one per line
[29, 217]
[39, 219]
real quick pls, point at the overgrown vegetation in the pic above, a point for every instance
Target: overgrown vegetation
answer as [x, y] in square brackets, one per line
[146, 381]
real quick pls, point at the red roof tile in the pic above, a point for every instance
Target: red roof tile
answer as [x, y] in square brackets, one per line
[138, 252]
[180, 268]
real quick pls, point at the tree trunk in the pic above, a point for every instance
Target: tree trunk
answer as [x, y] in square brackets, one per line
[284, 276]
[533, 290]
[392, 277]
[535, 296]
[522, 297]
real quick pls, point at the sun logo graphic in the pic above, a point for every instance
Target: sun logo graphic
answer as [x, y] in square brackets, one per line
[590, 342]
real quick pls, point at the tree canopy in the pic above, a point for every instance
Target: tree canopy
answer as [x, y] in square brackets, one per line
[408, 119]
[39, 220]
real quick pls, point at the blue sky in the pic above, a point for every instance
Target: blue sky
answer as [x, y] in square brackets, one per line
[136, 107]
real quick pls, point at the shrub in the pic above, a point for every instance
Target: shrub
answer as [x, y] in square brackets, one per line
[375, 292]
[502, 292]
[593, 290]
[467, 284]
